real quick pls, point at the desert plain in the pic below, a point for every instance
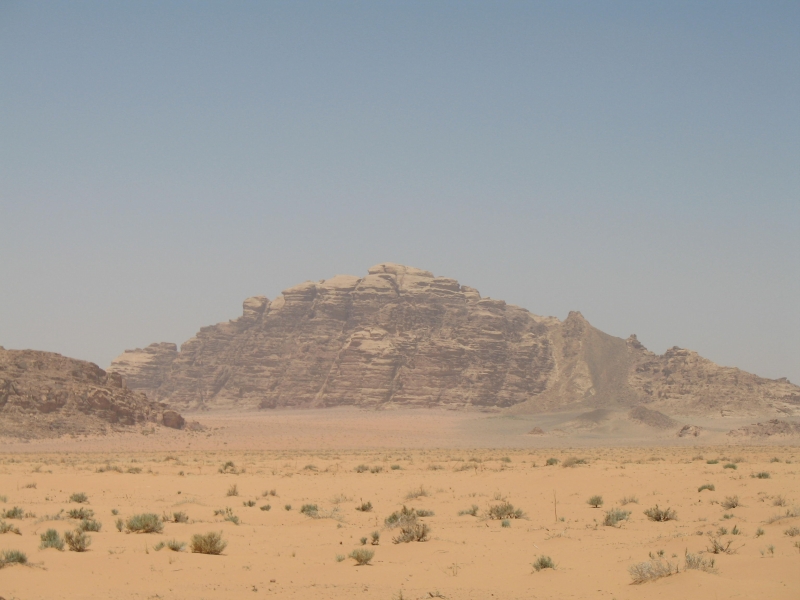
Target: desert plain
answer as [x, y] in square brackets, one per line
[294, 493]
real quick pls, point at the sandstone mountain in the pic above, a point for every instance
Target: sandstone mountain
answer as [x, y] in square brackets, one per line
[401, 337]
[45, 394]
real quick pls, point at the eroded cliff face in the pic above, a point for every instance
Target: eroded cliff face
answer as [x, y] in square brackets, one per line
[43, 393]
[401, 337]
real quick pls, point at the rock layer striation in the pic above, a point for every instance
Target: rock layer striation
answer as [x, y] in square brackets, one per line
[400, 336]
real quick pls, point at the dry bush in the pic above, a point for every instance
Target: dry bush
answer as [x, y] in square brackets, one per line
[13, 557]
[77, 540]
[471, 511]
[90, 525]
[144, 523]
[595, 501]
[362, 556]
[8, 528]
[505, 510]
[657, 514]
[79, 497]
[706, 486]
[543, 562]
[415, 532]
[718, 546]
[417, 493]
[695, 561]
[650, 571]
[80, 513]
[573, 461]
[730, 502]
[614, 516]
[51, 539]
[210, 543]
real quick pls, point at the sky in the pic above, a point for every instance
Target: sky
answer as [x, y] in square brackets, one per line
[636, 161]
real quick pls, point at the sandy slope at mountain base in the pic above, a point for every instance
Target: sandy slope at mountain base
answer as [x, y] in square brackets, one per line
[281, 553]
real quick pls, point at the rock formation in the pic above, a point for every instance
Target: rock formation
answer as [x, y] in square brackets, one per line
[401, 337]
[44, 394]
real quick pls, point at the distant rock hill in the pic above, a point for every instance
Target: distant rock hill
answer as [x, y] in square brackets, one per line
[44, 394]
[401, 337]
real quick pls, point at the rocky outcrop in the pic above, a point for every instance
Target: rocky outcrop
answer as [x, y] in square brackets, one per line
[775, 427]
[43, 393]
[400, 336]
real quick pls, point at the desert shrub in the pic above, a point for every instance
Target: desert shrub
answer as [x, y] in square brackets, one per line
[176, 546]
[543, 562]
[505, 510]
[707, 486]
[695, 561]
[712, 461]
[413, 532]
[759, 532]
[629, 500]
[505, 523]
[363, 541]
[3, 498]
[650, 571]
[90, 525]
[310, 510]
[422, 512]
[657, 514]
[266, 493]
[80, 513]
[13, 513]
[722, 531]
[614, 516]
[114, 512]
[395, 467]
[365, 507]
[790, 513]
[435, 467]
[13, 557]
[375, 538]
[8, 528]
[288, 507]
[233, 490]
[179, 517]
[159, 546]
[730, 502]
[144, 523]
[471, 511]
[718, 546]
[736, 530]
[779, 501]
[417, 493]
[551, 461]
[265, 507]
[77, 540]
[362, 556]
[249, 503]
[775, 459]
[79, 497]
[595, 501]
[761, 475]
[134, 470]
[792, 532]
[310, 468]
[401, 518]
[572, 461]
[229, 467]
[376, 469]
[119, 524]
[209, 543]
[729, 466]
[51, 539]
[340, 557]
[362, 468]
[227, 514]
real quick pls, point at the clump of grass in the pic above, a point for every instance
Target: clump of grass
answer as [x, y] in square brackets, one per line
[760, 475]
[310, 510]
[13, 557]
[779, 501]
[178, 517]
[573, 461]
[77, 540]
[775, 459]
[227, 514]
[362, 556]
[395, 467]
[422, 512]
[362, 469]
[401, 518]
[365, 507]
[90, 525]
[79, 497]
[789, 514]
[376, 469]
[134, 470]
[614, 516]
[229, 467]
[51, 539]
[233, 490]
[595, 501]
[471, 511]
[119, 524]
[650, 571]
[505, 510]
[695, 561]
[629, 500]
[413, 532]
[718, 546]
[736, 530]
[160, 545]
[657, 514]
[80, 513]
[13, 513]
[340, 557]
[375, 538]
[8, 528]
[729, 466]
[266, 507]
[551, 461]
[363, 541]
[310, 468]
[176, 546]
[266, 493]
[792, 532]
[505, 523]
[712, 461]
[759, 532]
[707, 486]
[421, 492]
[543, 562]
[209, 543]
[249, 503]
[288, 507]
[144, 523]
[730, 502]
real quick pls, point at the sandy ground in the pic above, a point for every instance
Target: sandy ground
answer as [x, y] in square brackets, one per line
[422, 460]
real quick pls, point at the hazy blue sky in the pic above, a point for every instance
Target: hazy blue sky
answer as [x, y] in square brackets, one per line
[636, 161]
